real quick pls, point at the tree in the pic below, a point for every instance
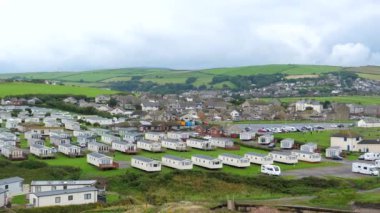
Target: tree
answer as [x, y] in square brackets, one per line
[191, 80]
[112, 102]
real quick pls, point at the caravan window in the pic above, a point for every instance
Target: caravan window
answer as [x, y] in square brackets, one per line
[276, 169]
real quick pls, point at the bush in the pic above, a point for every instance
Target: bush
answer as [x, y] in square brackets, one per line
[32, 164]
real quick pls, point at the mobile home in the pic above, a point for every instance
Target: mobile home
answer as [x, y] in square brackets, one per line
[100, 160]
[12, 185]
[307, 156]
[266, 139]
[284, 157]
[287, 143]
[53, 185]
[234, 160]
[207, 162]
[56, 140]
[41, 151]
[129, 148]
[365, 168]
[13, 153]
[76, 196]
[154, 136]
[333, 151]
[247, 136]
[177, 162]
[149, 146]
[309, 147]
[221, 142]
[132, 137]
[178, 135]
[174, 144]
[260, 159]
[199, 144]
[70, 150]
[109, 139]
[98, 147]
[146, 164]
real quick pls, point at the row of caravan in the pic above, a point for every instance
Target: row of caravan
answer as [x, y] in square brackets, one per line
[208, 162]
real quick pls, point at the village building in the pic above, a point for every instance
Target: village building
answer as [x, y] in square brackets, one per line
[368, 122]
[303, 105]
[346, 140]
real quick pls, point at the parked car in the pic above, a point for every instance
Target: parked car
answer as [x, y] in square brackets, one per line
[336, 157]
[340, 126]
[271, 145]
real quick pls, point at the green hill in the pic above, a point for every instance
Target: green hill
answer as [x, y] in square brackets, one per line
[162, 76]
[9, 89]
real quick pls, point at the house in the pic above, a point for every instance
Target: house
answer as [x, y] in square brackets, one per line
[13, 186]
[35, 141]
[98, 147]
[368, 122]
[41, 151]
[257, 158]
[284, 157]
[234, 115]
[109, 139]
[221, 142]
[57, 140]
[101, 161]
[369, 145]
[146, 164]
[154, 136]
[174, 144]
[303, 105]
[287, 143]
[265, 139]
[309, 147]
[346, 140]
[132, 137]
[53, 185]
[246, 136]
[3, 198]
[333, 151]
[149, 146]
[178, 135]
[207, 162]
[13, 153]
[234, 160]
[70, 150]
[177, 162]
[199, 144]
[72, 125]
[84, 140]
[76, 196]
[129, 148]
[150, 106]
[307, 156]
[102, 99]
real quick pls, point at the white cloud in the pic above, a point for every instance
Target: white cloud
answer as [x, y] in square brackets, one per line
[88, 34]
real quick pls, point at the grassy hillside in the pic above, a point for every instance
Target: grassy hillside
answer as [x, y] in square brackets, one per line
[8, 89]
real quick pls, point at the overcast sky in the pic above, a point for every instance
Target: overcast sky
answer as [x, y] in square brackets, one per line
[51, 35]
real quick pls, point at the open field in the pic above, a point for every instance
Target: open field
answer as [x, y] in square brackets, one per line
[9, 89]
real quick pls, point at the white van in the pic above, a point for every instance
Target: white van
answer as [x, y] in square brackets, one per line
[365, 168]
[270, 169]
[370, 156]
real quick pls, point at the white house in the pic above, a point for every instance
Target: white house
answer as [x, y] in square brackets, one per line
[149, 146]
[221, 142]
[124, 147]
[53, 185]
[207, 162]
[76, 196]
[70, 150]
[154, 136]
[56, 140]
[287, 143]
[257, 158]
[246, 136]
[303, 105]
[100, 160]
[150, 106]
[333, 151]
[309, 147]
[146, 164]
[234, 160]
[199, 144]
[41, 151]
[265, 139]
[12, 185]
[347, 140]
[84, 140]
[174, 144]
[98, 147]
[176, 162]
[368, 122]
[307, 156]
[234, 114]
[178, 135]
[284, 157]
[12, 153]
[3, 198]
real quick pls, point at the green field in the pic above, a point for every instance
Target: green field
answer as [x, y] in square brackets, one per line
[9, 89]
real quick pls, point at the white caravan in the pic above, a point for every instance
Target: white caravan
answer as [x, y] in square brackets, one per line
[365, 168]
[270, 170]
[370, 156]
